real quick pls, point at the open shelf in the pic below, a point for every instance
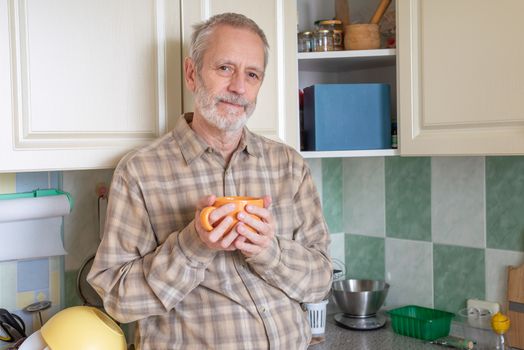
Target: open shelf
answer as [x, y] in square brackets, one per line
[358, 153]
[335, 61]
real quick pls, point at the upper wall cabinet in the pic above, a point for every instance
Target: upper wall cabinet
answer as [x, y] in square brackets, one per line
[352, 67]
[461, 77]
[277, 98]
[83, 82]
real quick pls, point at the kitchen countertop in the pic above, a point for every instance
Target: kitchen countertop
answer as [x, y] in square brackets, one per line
[384, 338]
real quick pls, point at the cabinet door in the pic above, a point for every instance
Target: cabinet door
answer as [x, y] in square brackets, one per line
[461, 77]
[83, 82]
[276, 114]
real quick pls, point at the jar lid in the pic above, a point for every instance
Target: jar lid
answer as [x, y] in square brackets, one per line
[305, 33]
[330, 22]
[323, 31]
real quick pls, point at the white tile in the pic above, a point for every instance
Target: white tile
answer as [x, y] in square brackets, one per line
[364, 196]
[458, 201]
[497, 262]
[337, 253]
[409, 271]
[337, 249]
[81, 236]
[315, 165]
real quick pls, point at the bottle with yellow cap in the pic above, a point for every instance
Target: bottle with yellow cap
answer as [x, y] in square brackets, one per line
[500, 324]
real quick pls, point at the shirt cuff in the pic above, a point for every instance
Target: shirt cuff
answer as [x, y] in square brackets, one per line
[198, 254]
[268, 258]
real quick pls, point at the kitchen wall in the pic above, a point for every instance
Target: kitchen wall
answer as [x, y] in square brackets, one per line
[81, 232]
[27, 281]
[438, 229]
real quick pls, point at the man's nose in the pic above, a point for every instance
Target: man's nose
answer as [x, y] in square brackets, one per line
[237, 83]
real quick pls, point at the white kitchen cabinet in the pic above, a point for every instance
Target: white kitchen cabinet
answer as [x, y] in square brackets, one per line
[461, 77]
[83, 82]
[277, 98]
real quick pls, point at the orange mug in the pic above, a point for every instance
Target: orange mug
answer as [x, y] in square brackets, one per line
[240, 203]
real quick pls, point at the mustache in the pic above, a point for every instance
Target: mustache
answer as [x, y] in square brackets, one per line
[232, 98]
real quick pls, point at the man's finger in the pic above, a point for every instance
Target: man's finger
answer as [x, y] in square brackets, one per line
[267, 201]
[206, 202]
[219, 231]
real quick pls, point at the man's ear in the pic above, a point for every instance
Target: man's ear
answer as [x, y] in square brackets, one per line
[190, 73]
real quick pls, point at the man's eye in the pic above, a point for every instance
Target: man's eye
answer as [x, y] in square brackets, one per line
[253, 76]
[224, 68]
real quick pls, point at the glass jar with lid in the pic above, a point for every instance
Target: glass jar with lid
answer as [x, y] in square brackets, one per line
[337, 28]
[324, 40]
[305, 42]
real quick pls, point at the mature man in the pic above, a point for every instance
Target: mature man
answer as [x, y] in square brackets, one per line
[192, 289]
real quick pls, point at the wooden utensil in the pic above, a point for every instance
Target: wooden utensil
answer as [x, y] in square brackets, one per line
[342, 12]
[516, 306]
[379, 12]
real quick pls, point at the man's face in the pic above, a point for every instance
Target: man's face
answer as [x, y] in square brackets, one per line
[227, 85]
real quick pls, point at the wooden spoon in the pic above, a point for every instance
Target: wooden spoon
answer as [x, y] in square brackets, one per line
[342, 12]
[379, 12]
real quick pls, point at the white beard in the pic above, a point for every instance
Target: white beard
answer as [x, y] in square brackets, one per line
[232, 120]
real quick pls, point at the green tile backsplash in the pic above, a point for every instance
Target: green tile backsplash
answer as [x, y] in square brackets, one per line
[364, 257]
[505, 203]
[440, 230]
[458, 274]
[408, 198]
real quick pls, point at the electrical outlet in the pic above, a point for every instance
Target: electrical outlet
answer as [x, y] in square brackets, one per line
[492, 306]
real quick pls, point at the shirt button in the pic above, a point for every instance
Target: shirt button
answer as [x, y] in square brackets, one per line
[263, 310]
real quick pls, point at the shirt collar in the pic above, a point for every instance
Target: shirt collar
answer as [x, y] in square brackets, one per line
[250, 143]
[193, 146]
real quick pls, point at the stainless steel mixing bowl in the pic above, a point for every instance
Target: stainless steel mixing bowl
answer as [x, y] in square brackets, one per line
[360, 298]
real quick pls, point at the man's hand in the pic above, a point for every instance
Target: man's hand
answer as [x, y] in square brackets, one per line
[252, 243]
[219, 238]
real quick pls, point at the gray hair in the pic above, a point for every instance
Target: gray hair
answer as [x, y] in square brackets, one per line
[202, 32]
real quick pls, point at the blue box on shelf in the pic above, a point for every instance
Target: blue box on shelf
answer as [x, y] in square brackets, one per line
[347, 117]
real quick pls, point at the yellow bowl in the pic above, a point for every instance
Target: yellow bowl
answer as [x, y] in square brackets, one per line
[83, 328]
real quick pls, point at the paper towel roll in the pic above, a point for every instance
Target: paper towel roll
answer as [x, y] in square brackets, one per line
[33, 208]
[31, 239]
[30, 224]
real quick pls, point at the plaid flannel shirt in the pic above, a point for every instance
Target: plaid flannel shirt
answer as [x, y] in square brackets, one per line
[152, 267]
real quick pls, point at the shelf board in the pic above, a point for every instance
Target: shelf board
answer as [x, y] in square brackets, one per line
[333, 61]
[344, 154]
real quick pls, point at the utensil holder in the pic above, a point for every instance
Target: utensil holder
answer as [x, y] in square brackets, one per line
[317, 316]
[361, 37]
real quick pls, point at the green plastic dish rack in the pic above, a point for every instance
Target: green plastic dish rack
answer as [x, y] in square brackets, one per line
[420, 322]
